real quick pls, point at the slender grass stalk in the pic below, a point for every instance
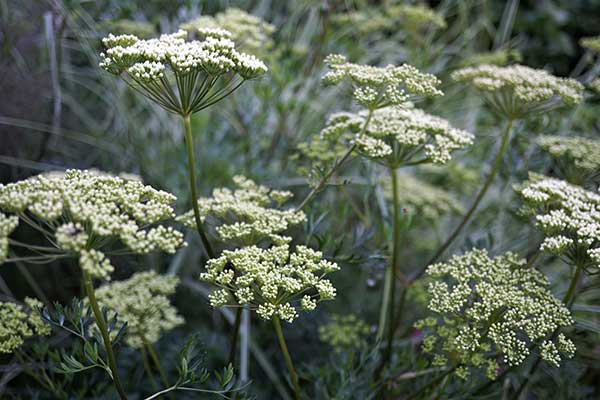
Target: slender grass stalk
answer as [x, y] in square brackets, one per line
[568, 299]
[112, 364]
[189, 144]
[480, 195]
[286, 356]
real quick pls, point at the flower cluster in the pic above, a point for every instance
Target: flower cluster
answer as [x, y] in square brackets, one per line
[396, 136]
[413, 18]
[249, 32]
[591, 43]
[18, 324]
[247, 214]
[344, 332]
[569, 217]
[82, 211]
[142, 301]
[595, 85]
[517, 89]
[489, 307]
[273, 281]
[376, 87]
[428, 201]
[161, 67]
[582, 153]
[7, 225]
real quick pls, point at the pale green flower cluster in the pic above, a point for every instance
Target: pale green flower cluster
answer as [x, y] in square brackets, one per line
[344, 332]
[489, 307]
[248, 214]
[273, 281]
[250, 33]
[7, 225]
[426, 200]
[499, 57]
[595, 85]
[142, 301]
[517, 89]
[18, 323]
[413, 18]
[568, 216]
[583, 153]
[376, 87]
[82, 211]
[591, 43]
[396, 136]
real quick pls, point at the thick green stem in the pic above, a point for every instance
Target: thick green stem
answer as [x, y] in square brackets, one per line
[234, 336]
[286, 356]
[480, 195]
[189, 144]
[112, 364]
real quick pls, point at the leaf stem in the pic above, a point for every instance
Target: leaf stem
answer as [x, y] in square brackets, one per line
[192, 175]
[286, 356]
[112, 364]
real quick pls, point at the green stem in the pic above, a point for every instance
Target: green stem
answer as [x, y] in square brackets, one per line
[112, 364]
[234, 336]
[156, 362]
[480, 195]
[189, 144]
[568, 299]
[286, 356]
[149, 370]
[386, 313]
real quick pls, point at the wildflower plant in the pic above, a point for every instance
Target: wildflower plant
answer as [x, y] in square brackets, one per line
[19, 323]
[517, 90]
[344, 332]
[249, 214]
[142, 300]
[569, 218]
[488, 312]
[577, 158]
[249, 32]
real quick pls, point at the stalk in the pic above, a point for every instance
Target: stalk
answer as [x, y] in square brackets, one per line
[386, 313]
[234, 336]
[480, 195]
[189, 144]
[112, 364]
[156, 361]
[286, 356]
[568, 299]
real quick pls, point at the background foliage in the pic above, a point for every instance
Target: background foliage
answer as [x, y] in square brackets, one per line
[59, 110]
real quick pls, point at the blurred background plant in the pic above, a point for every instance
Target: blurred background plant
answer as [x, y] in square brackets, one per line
[60, 110]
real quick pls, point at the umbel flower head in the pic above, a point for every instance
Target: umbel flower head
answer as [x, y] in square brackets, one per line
[417, 196]
[595, 85]
[273, 281]
[19, 323]
[83, 212]
[376, 87]
[491, 310]
[567, 215]
[413, 18]
[578, 158]
[248, 214]
[7, 225]
[397, 136]
[142, 301]
[344, 332]
[591, 43]
[182, 76]
[250, 33]
[517, 90]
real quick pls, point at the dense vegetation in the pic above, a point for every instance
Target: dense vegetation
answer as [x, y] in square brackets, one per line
[299, 200]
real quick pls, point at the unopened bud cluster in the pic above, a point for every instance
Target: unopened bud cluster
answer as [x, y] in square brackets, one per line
[19, 323]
